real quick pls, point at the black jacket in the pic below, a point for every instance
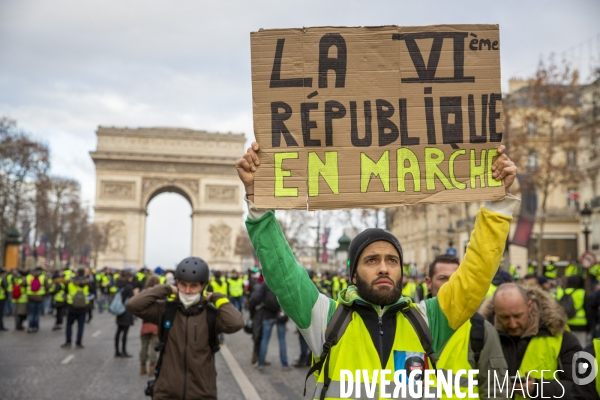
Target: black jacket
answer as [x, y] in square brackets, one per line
[125, 319]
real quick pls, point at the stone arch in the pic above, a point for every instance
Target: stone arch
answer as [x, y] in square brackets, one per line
[135, 165]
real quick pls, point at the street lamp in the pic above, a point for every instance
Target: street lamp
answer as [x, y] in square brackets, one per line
[342, 250]
[586, 216]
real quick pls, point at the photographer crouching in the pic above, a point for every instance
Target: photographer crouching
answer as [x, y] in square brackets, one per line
[188, 332]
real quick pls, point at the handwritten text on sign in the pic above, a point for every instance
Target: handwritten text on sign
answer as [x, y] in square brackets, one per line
[367, 117]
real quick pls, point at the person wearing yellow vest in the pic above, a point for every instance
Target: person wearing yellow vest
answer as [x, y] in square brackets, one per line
[475, 345]
[335, 287]
[235, 286]
[578, 323]
[218, 284]
[78, 291]
[68, 274]
[409, 287]
[58, 290]
[572, 269]
[381, 332]
[9, 306]
[550, 271]
[590, 390]
[4, 294]
[534, 337]
[19, 296]
[36, 284]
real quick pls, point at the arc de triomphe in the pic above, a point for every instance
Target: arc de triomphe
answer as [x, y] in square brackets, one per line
[135, 165]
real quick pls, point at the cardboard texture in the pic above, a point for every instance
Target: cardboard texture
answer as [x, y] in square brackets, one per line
[376, 116]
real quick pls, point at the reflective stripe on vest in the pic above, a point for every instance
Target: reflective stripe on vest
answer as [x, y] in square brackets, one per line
[236, 287]
[578, 296]
[541, 354]
[597, 351]
[455, 356]
[72, 289]
[42, 291]
[356, 351]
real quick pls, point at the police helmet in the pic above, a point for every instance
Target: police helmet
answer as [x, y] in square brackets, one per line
[192, 269]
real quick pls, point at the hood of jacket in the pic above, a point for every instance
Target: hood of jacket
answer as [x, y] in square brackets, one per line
[545, 313]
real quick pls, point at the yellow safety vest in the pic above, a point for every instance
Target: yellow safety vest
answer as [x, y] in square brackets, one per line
[343, 283]
[68, 274]
[551, 271]
[140, 276]
[409, 290]
[541, 354]
[531, 269]
[59, 297]
[335, 287]
[236, 287]
[578, 296]
[2, 292]
[572, 270]
[356, 351]
[162, 279]
[113, 288]
[41, 291]
[9, 282]
[219, 287]
[491, 291]
[23, 298]
[455, 356]
[72, 289]
[596, 343]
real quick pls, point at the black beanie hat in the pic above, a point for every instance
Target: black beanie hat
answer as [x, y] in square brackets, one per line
[365, 238]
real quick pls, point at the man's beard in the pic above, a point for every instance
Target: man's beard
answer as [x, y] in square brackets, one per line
[381, 297]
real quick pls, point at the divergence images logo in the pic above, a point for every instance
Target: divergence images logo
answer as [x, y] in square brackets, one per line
[585, 368]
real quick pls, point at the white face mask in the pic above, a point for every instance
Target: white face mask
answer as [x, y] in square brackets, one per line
[189, 299]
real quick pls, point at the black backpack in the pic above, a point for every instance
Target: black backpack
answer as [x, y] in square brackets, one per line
[270, 302]
[566, 301]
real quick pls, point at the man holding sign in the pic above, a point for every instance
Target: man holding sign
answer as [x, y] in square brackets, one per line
[377, 126]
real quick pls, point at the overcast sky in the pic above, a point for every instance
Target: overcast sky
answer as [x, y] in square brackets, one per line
[68, 66]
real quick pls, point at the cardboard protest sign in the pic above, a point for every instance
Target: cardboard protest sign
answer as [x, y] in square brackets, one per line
[376, 116]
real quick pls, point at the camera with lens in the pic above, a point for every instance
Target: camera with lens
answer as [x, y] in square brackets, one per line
[149, 391]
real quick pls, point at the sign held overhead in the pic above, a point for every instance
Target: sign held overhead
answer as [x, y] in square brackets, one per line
[376, 116]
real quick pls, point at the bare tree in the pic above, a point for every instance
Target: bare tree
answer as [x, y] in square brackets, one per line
[98, 240]
[58, 212]
[23, 161]
[541, 133]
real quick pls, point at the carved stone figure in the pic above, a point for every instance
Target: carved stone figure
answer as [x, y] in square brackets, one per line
[220, 240]
[118, 190]
[117, 240]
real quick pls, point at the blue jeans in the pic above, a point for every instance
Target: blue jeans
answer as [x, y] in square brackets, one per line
[267, 326]
[237, 302]
[34, 309]
[71, 318]
[9, 306]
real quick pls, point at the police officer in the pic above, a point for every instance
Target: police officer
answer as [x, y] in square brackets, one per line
[373, 299]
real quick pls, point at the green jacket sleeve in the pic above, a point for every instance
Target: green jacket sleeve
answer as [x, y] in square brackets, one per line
[285, 277]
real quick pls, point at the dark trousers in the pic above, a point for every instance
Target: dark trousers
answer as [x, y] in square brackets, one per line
[2, 313]
[60, 315]
[121, 330]
[71, 318]
[89, 311]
